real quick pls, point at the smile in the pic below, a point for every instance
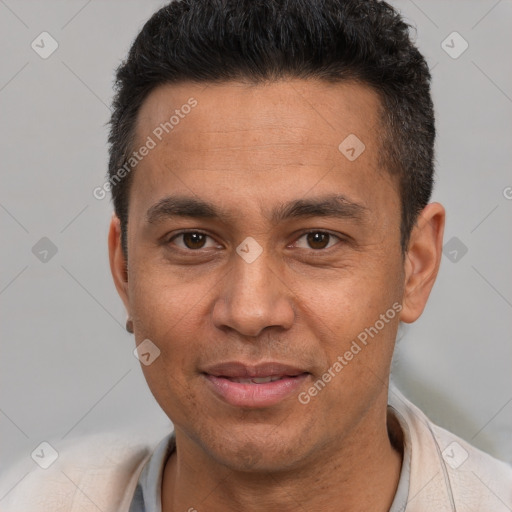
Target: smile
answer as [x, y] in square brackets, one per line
[247, 386]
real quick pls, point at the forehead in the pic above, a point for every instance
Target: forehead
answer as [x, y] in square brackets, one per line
[308, 110]
[261, 139]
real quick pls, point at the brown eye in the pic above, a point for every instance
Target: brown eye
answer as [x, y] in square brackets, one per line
[192, 240]
[316, 240]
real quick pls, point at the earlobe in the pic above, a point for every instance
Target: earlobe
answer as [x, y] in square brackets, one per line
[117, 260]
[422, 261]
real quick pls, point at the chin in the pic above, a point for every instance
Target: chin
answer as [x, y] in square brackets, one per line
[256, 448]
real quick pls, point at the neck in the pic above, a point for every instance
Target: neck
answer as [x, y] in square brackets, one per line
[360, 473]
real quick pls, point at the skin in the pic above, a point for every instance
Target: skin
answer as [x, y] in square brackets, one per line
[248, 149]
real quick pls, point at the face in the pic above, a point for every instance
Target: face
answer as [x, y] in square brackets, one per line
[258, 249]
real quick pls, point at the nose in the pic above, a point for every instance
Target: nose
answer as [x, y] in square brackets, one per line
[253, 297]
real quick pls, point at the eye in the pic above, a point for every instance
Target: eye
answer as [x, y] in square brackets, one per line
[191, 240]
[317, 240]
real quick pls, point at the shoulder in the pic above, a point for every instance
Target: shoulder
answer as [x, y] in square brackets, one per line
[447, 470]
[96, 472]
[477, 479]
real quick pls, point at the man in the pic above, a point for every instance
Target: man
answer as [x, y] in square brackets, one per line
[271, 169]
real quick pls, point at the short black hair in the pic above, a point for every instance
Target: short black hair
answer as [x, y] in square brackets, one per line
[365, 41]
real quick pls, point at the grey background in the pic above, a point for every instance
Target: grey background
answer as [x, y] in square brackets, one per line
[67, 367]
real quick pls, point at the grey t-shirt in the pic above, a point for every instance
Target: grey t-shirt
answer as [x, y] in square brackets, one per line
[147, 496]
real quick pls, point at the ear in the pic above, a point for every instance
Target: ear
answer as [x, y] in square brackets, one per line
[422, 261]
[118, 264]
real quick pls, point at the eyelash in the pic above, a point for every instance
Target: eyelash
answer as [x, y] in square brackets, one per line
[181, 233]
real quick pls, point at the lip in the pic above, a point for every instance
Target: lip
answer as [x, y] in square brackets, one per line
[239, 370]
[254, 395]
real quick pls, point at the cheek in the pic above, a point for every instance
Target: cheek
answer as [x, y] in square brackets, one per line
[350, 300]
[358, 348]
[345, 315]
[167, 315]
[161, 300]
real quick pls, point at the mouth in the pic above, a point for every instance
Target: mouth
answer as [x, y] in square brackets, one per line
[258, 380]
[250, 386]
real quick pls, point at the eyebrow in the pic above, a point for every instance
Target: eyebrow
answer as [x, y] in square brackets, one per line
[335, 205]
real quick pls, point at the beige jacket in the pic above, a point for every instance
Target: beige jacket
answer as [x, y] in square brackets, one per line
[100, 473]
